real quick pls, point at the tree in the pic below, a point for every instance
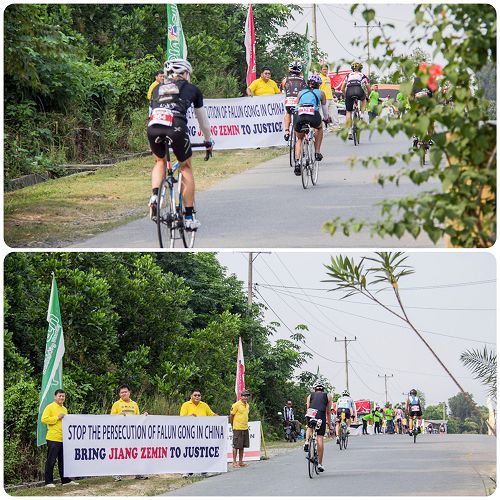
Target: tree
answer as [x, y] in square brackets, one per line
[461, 406]
[434, 412]
[389, 268]
[463, 156]
[484, 367]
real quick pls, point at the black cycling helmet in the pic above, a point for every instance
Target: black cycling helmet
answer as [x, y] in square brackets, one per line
[319, 386]
[295, 67]
[413, 392]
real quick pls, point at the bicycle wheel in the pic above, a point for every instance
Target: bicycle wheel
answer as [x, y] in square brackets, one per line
[310, 459]
[341, 438]
[314, 165]
[187, 236]
[304, 164]
[346, 440]
[291, 142]
[165, 216]
[316, 462]
[355, 128]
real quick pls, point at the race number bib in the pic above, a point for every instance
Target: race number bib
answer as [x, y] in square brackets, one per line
[311, 412]
[290, 101]
[415, 408]
[306, 110]
[161, 116]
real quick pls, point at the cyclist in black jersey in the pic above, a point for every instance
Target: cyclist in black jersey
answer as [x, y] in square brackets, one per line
[292, 85]
[356, 84]
[322, 402]
[170, 102]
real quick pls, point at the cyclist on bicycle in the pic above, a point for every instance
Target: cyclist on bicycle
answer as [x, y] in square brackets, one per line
[292, 85]
[356, 84]
[307, 109]
[170, 102]
[413, 408]
[345, 404]
[322, 403]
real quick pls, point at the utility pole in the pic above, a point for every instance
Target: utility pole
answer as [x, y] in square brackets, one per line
[386, 377]
[315, 32]
[368, 26]
[346, 341]
[251, 257]
[444, 410]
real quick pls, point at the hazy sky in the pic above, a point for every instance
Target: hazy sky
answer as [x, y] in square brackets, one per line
[451, 298]
[336, 30]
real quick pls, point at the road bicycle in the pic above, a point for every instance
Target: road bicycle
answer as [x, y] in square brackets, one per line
[414, 430]
[423, 146]
[356, 117]
[343, 435]
[309, 167]
[169, 217]
[312, 452]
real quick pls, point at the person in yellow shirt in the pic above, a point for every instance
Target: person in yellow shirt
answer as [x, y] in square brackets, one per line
[239, 423]
[158, 79]
[263, 85]
[326, 87]
[195, 407]
[125, 406]
[52, 417]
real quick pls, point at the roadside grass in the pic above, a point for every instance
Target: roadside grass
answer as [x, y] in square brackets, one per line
[61, 211]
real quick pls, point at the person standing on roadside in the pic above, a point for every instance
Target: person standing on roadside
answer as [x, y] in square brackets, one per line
[377, 416]
[125, 406]
[52, 417]
[366, 419]
[326, 87]
[239, 424]
[373, 102]
[263, 85]
[158, 79]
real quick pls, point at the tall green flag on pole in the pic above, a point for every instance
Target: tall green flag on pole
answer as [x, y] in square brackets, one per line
[176, 43]
[307, 54]
[52, 366]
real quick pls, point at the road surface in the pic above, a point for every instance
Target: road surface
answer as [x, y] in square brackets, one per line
[266, 206]
[375, 465]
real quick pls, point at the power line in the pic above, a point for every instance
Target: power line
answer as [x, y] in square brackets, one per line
[334, 36]
[399, 326]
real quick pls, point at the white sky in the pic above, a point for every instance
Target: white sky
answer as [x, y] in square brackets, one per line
[466, 311]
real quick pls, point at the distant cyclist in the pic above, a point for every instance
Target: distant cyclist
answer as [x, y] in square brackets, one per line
[307, 109]
[356, 84]
[170, 102]
[292, 84]
[322, 402]
[345, 403]
[413, 408]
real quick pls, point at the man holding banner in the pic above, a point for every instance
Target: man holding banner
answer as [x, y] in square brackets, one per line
[52, 417]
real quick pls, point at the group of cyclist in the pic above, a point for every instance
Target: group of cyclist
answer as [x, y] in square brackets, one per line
[319, 408]
[173, 96]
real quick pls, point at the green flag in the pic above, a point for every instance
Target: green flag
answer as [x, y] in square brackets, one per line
[307, 54]
[52, 366]
[176, 43]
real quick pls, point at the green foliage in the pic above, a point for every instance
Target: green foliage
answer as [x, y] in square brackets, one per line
[163, 323]
[483, 365]
[463, 163]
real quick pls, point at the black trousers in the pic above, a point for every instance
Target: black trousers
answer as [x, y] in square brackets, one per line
[54, 452]
[365, 426]
[377, 427]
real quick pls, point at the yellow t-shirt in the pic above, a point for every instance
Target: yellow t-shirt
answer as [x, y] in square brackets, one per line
[326, 86]
[130, 408]
[240, 411]
[150, 90]
[54, 425]
[200, 410]
[259, 87]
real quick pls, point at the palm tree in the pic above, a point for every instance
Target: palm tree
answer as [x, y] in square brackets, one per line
[483, 365]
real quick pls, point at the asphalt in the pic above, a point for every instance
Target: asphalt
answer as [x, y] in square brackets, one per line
[267, 207]
[375, 465]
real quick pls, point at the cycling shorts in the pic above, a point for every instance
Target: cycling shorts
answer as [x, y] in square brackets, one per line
[290, 110]
[320, 415]
[178, 133]
[347, 413]
[350, 93]
[415, 413]
[313, 120]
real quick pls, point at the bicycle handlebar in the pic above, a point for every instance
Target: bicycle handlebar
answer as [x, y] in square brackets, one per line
[205, 144]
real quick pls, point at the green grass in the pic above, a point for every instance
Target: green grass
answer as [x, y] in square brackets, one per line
[62, 211]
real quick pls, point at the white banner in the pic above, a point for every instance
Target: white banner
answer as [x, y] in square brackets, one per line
[103, 445]
[242, 122]
[253, 451]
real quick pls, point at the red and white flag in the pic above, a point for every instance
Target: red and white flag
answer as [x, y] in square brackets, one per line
[240, 371]
[250, 47]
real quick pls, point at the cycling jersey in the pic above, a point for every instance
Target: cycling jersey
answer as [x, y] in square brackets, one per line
[292, 86]
[356, 78]
[345, 402]
[309, 98]
[173, 98]
[319, 401]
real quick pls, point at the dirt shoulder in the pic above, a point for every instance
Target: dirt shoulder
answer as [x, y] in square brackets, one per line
[61, 211]
[129, 486]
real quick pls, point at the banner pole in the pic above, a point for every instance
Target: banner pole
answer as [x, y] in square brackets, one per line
[263, 440]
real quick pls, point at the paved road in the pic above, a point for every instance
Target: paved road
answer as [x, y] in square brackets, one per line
[266, 206]
[450, 465]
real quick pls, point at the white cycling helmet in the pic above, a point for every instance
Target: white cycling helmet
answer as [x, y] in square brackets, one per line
[177, 66]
